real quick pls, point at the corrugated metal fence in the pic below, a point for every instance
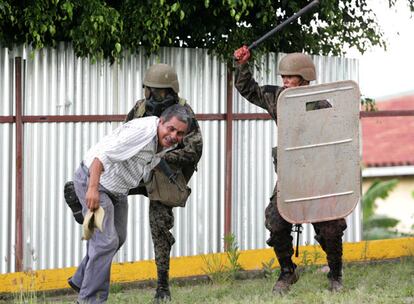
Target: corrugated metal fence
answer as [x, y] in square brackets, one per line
[55, 84]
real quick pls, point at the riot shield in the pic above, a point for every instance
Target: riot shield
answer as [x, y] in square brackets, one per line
[318, 153]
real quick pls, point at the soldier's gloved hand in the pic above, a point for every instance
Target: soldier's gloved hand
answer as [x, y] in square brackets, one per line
[242, 55]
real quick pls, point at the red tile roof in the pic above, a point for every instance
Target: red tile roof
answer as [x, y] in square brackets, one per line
[389, 141]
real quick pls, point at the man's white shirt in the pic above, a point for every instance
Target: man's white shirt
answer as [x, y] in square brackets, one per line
[128, 154]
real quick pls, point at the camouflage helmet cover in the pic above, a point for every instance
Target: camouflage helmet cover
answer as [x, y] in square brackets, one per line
[161, 75]
[297, 64]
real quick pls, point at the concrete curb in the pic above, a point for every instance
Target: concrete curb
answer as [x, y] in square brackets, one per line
[182, 267]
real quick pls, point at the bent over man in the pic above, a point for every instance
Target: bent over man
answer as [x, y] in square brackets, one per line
[296, 69]
[110, 169]
[161, 90]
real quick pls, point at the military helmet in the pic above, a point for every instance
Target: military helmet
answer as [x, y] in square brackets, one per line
[161, 75]
[297, 64]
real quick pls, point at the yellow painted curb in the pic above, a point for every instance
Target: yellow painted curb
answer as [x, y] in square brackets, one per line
[43, 280]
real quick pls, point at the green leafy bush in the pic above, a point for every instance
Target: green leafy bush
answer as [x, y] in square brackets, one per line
[105, 28]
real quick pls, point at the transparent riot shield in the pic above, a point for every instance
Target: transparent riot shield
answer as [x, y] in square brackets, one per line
[318, 155]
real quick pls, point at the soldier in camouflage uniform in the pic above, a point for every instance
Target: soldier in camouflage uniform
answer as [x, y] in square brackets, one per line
[161, 91]
[296, 70]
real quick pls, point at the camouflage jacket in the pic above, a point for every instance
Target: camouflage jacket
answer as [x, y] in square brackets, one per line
[188, 153]
[262, 96]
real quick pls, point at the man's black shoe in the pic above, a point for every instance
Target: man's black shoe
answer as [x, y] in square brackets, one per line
[73, 202]
[73, 286]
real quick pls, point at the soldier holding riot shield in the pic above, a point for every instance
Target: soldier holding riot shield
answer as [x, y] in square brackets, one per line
[296, 70]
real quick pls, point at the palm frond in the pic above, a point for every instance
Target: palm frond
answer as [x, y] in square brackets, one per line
[378, 189]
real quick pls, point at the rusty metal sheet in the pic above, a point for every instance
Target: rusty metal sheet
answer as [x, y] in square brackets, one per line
[318, 152]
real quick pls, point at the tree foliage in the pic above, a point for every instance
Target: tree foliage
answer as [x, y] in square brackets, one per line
[376, 226]
[378, 189]
[103, 29]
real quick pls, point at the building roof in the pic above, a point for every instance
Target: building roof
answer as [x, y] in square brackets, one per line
[389, 141]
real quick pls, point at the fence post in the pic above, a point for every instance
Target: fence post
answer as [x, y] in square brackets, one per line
[19, 165]
[229, 154]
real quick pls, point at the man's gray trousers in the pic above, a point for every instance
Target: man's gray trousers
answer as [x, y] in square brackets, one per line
[93, 274]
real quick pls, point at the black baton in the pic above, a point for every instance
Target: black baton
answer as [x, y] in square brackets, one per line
[301, 12]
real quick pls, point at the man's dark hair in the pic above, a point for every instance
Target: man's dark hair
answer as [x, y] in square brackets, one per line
[178, 111]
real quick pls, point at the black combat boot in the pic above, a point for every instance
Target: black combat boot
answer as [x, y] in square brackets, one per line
[73, 202]
[335, 276]
[162, 293]
[288, 276]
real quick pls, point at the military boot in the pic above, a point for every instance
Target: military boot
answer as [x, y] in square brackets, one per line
[288, 276]
[335, 284]
[73, 202]
[162, 293]
[335, 277]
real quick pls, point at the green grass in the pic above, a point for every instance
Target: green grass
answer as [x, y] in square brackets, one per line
[388, 282]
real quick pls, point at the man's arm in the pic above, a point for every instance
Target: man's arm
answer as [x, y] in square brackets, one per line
[92, 194]
[249, 88]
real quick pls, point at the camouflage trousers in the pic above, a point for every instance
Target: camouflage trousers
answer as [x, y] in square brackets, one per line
[328, 234]
[161, 222]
